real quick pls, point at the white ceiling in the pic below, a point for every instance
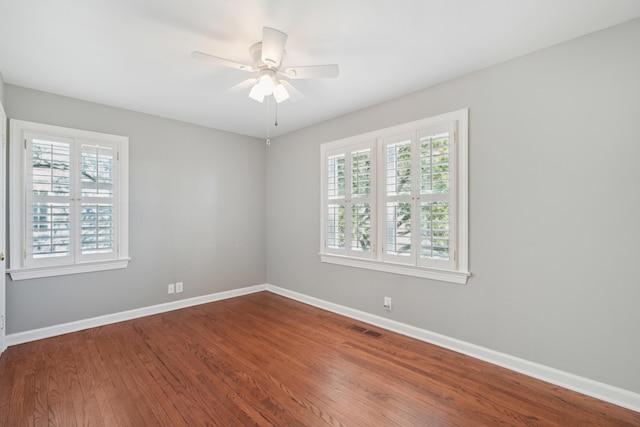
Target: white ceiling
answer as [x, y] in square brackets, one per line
[135, 54]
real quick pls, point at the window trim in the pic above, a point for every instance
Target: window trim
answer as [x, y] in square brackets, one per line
[17, 202]
[459, 273]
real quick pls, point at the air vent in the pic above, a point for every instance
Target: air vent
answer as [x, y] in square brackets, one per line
[365, 331]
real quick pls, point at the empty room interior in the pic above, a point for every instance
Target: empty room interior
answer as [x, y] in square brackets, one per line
[274, 212]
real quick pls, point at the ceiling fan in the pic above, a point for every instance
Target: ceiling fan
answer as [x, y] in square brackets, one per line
[267, 59]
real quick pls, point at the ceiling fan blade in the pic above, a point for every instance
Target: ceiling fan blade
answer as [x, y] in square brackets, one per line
[294, 94]
[273, 42]
[330, 71]
[246, 84]
[221, 61]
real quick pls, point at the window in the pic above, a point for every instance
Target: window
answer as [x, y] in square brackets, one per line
[69, 201]
[395, 200]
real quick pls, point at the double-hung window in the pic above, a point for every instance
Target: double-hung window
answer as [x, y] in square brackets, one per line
[412, 219]
[69, 201]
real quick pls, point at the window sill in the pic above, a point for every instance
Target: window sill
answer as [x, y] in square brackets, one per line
[459, 277]
[61, 270]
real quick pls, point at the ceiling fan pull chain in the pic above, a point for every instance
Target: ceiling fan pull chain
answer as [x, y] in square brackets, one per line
[268, 142]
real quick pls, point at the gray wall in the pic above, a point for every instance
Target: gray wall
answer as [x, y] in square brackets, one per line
[197, 209]
[554, 210]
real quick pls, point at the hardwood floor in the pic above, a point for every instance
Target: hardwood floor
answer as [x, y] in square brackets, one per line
[264, 360]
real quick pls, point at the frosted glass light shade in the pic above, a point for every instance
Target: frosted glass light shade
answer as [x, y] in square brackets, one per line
[280, 93]
[257, 93]
[267, 84]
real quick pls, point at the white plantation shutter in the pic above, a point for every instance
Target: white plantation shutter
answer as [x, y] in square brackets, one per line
[98, 203]
[48, 201]
[72, 200]
[419, 197]
[360, 202]
[336, 212]
[398, 184]
[399, 203]
[72, 213]
[348, 188]
[437, 196]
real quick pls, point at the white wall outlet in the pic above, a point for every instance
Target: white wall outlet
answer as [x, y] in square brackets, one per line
[387, 303]
[179, 287]
[171, 289]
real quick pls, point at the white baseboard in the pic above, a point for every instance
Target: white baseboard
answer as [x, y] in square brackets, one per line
[65, 328]
[602, 391]
[605, 392]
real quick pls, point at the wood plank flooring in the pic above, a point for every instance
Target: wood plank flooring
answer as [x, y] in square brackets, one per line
[265, 360]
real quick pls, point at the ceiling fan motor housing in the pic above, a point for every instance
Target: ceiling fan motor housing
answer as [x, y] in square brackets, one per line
[256, 54]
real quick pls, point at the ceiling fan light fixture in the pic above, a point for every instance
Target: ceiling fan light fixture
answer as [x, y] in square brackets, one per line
[257, 93]
[280, 93]
[266, 83]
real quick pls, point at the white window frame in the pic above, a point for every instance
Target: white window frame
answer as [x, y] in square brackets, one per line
[22, 267]
[454, 270]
